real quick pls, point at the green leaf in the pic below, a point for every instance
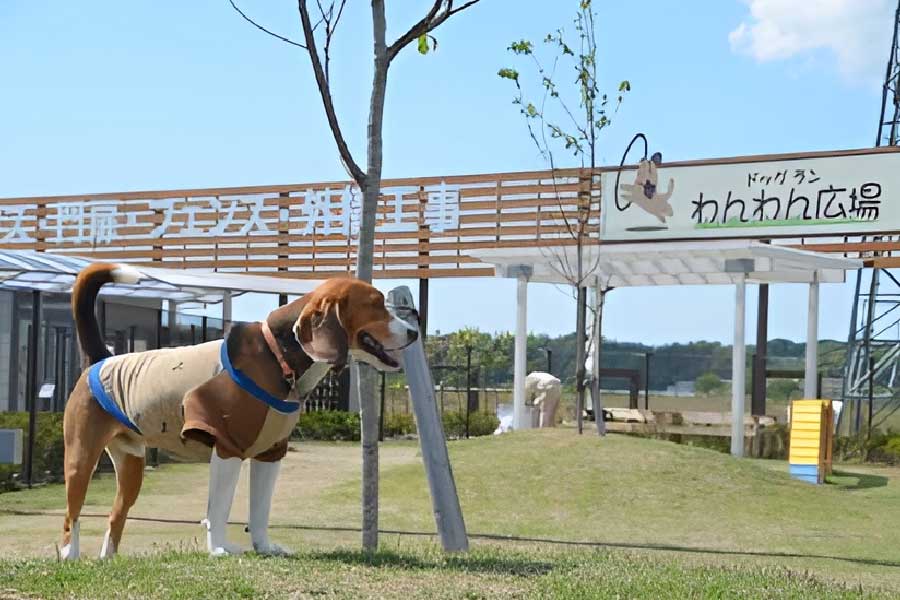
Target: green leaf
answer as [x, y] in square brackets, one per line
[531, 110]
[521, 47]
[423, 44]
[625, 86]
[507, 73]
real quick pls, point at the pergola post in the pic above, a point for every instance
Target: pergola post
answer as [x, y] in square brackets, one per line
[812, 341]
[226, 311]
[523, 273]
[738, 368]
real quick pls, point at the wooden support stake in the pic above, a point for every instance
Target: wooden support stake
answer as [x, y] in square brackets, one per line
[444, 499]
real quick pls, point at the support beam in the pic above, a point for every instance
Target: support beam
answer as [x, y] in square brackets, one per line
[226, 311]
[812, 342]
[31, 386]
[758, 394]
[423, 308]
[738, 369]
[520, 421]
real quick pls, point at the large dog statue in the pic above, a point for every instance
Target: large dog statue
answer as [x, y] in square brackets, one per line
[223, 401]
[544, 391]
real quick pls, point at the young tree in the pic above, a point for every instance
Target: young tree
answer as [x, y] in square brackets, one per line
[708, 383]
[554, 123]
[319, 26]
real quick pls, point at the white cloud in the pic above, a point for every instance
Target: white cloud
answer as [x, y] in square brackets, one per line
[857, 33]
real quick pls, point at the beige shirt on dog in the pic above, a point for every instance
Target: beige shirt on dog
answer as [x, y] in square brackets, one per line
[150, 388]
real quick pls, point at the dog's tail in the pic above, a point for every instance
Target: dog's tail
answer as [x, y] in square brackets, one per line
[84, 297]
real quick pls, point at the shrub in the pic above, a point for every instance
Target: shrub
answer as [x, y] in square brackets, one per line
[397, 424]
[328, 425]
[48, 448]
[480, 423]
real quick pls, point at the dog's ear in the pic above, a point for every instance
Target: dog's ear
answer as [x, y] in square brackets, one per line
[321, 334]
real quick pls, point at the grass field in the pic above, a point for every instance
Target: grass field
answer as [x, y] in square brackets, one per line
[658, 520]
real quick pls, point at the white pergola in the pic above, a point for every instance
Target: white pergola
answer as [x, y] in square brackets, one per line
[719, 262]
[25, 270]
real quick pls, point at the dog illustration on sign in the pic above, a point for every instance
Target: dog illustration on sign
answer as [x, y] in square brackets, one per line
[645, 193]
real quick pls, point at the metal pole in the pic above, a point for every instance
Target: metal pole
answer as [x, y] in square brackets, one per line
[812, 341]
[381, 412]
[31, 384]
[871, 396]
[867, 341]
[738, 358]
[758, 387]
[647, 356]
[423, 308]
[549, 361]
[468, 385]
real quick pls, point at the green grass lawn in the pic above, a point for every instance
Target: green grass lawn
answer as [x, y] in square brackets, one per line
[663, 521]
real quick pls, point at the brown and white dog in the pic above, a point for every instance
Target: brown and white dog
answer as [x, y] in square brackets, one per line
[225, 401]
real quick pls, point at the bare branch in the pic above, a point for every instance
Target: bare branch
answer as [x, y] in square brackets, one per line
[429, 22]
[325, 91]
[263, 29]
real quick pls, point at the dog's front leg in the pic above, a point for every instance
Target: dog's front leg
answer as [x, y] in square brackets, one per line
[262, 485]
[223, 478]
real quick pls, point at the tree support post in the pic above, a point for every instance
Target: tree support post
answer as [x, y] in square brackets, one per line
[448, 516]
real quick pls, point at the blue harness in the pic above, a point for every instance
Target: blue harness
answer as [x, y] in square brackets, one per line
[107, 403]
[248, 385]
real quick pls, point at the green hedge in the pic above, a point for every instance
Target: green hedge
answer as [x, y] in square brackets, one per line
[879, 447]
[328, 425]
[480, 423]
[399, 424]
[334, 426]
[48, 450]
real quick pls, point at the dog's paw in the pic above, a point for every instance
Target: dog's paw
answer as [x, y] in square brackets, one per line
[270, 549]
[226, 549]
[68, 552]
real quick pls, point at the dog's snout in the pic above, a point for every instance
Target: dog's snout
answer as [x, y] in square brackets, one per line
[412, 336]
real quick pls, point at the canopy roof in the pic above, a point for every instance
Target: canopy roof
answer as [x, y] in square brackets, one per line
[27, 270]
[672, 263]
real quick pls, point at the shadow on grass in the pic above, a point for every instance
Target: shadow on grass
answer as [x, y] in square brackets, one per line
[864, 481]
[499, 565]
[527, 567]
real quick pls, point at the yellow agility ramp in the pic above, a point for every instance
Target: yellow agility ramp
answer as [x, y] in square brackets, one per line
[812, 433]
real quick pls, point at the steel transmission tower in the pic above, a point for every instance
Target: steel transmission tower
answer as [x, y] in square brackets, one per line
[873, 346]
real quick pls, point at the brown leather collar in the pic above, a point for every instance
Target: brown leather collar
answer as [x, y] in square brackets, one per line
[275, 348]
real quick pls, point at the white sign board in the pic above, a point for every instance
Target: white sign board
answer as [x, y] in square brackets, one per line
[787, 196]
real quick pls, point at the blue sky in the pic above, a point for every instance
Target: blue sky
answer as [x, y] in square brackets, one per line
[114, 96]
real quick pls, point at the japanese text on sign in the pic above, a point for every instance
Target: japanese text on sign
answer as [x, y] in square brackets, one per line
[320, 212]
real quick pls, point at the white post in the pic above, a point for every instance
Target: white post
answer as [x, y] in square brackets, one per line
[738, 367]
[226, 311]
[519, 419]
[812, 341]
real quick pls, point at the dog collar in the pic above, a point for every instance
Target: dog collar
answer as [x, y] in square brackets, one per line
[248, 385]
[286, 369]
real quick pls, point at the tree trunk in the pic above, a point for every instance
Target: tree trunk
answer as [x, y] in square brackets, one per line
[599, 300]
[580, 339]
[365, 376]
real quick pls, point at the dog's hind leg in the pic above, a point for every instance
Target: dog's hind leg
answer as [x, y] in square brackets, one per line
[86, 430]
[128, 459]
